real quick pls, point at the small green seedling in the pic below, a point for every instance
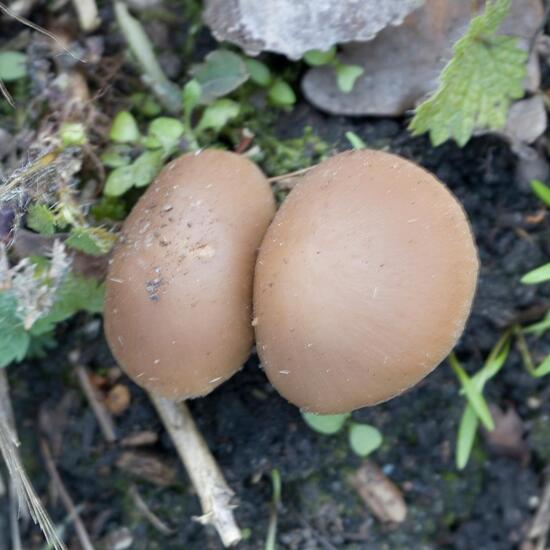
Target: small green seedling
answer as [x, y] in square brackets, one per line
[542, 191]
[363, 439]
[270, 543]
[355, 141]
[476, 409]
[346, 75]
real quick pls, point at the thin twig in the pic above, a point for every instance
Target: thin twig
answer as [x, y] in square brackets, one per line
[6, 94]
[215, 495]
[66, 499]
[104, 419]
[150, 516]
[290, 175]
[541, 524]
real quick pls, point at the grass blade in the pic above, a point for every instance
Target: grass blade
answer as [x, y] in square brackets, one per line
[466, 436]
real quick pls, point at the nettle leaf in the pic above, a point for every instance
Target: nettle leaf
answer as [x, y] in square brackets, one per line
[259, 72]
[346, 75]
[316, 58]
[221, 73]
[539, 275]
[364, 439]
[41, 219]
[486, 72]
[75, 294]
[13, 66]
[14, 339]
[325, 423]
[217, 115]
[95, 241]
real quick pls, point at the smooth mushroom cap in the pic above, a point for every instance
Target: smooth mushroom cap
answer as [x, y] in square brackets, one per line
[364, 282]
[179, 290]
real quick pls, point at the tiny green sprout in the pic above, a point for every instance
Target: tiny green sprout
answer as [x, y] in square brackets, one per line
[539, 275]
[535, 371]
[347, 75]
[364, 439]
[13, 66]
[325, 423]
[281, 94]
[216, 116]
[259, 72]
[317, 58]
[191, 96]
[73, 134]
[542, 191]
[164, 132]
[270, 543]
[355, 141]
[124, 128]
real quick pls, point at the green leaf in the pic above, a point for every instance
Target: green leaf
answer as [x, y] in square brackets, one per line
[538, 329]
[109, 208]
[281, 94]
[124, 128]
[13, 66]
[474, 395]
[476, 87]
[259, 72]
[325, 423]
[355, 141]
[146, 167]
[221, 73]
[119, 181]
[94, 241]
[14, 339]
[466, 436]
[116, 156]
[41, 219]
[543, 369]
[165, 132]
[539, 275]
[316, 58]
[191, 96]
[494, 362]
[346, 75]
[77, 293]
[541, 191]
[145, 104]
[73, 133]
[364, 439]
[217, 115]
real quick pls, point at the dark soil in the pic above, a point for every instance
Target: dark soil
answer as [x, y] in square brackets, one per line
[251, 430]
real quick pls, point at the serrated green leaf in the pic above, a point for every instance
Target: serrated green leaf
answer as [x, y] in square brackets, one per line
[14, 339]
[476, 87]
[346, 76]
[316, 58]
[95, 241]
[325, 423]
[76, 294]
[259, 72]
[41, 219]
[355, 141]
[217, 115]
[281, 94]
[124, 128]
[364, 439]
[13, 66]
[221, 73]
[466, 436]
[539, 275]
[542, 191]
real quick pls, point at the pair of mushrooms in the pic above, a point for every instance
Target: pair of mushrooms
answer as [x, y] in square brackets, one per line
[362, 285]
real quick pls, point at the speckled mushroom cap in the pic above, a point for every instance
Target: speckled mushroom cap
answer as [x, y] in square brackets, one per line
[178, 302]
[364, 282]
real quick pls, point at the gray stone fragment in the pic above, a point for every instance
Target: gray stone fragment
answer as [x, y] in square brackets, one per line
[293, 27]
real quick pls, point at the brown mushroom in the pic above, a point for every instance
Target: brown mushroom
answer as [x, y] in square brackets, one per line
[179, 290]
[364, 282]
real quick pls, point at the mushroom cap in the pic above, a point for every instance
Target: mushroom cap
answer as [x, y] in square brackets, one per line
[363, 284]
[178, 301]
